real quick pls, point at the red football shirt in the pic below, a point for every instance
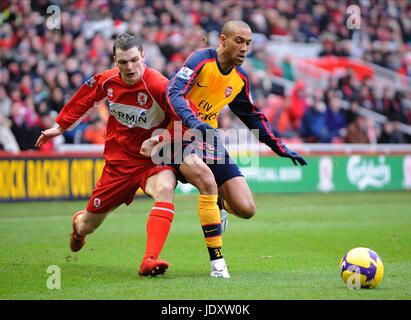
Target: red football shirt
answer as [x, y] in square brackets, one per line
[135, 110]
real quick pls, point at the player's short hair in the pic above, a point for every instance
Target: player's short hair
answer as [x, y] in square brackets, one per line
[231, 26]
[127, 41]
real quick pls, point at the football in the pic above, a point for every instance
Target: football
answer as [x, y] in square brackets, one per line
[361, 268]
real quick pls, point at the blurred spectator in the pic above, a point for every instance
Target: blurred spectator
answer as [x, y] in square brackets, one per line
[352, 112]
[297, 106]
[259, 62]
[372, 131]
[332, 48]
[56, 100]
[24, 128]
[75, 135]
[367, 98]
[405, 68]
[40, 67]
[390, 104]
[336, 121]
[5, 103]
[349, 86]
[357, 131]
[7, 140]
[287, 68]
[95, 132]
[314, 123]
[391, 134]
[278, 117]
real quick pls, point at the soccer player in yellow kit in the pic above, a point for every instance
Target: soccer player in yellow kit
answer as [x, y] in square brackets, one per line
[210, 79]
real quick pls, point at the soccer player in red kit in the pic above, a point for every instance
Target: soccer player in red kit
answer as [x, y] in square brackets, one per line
[137, 107]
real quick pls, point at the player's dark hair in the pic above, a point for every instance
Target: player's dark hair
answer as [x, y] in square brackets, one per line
[127, 41]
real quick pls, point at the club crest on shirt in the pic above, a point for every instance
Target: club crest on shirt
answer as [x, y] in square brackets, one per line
[97, 202]
[110, 92]
[228, 91]
[142, 98]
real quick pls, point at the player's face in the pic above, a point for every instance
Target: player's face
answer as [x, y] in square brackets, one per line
[237, 45]
[131, 64]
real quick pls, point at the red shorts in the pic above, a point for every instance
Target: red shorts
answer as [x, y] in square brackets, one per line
[118, 184]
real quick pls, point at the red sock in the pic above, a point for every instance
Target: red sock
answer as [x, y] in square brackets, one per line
[158, 226]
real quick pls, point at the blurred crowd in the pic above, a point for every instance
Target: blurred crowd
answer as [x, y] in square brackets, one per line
[49, 48]
[332, 115]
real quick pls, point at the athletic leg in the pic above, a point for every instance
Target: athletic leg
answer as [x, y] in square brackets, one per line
[196, 172]
[84, 223]
[237, 197]
[116, 185]
[235, 194]
[160, 187]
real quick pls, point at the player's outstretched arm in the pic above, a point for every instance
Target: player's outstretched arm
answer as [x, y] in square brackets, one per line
[254, 119]
[48, 134]
[243, 107]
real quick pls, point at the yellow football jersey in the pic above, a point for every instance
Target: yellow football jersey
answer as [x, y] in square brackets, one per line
[201, 89]
[213, 90]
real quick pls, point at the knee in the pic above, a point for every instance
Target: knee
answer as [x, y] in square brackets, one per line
[206, 183]
[201, 176]
[247, 210]
[164, 191]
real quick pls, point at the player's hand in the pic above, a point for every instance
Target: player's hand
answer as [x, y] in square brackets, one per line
[48, 134]
[206, 133]
[204, 127]
[295, 157]
[149, 144]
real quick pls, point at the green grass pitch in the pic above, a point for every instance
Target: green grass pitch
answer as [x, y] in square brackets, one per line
[291, 249]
